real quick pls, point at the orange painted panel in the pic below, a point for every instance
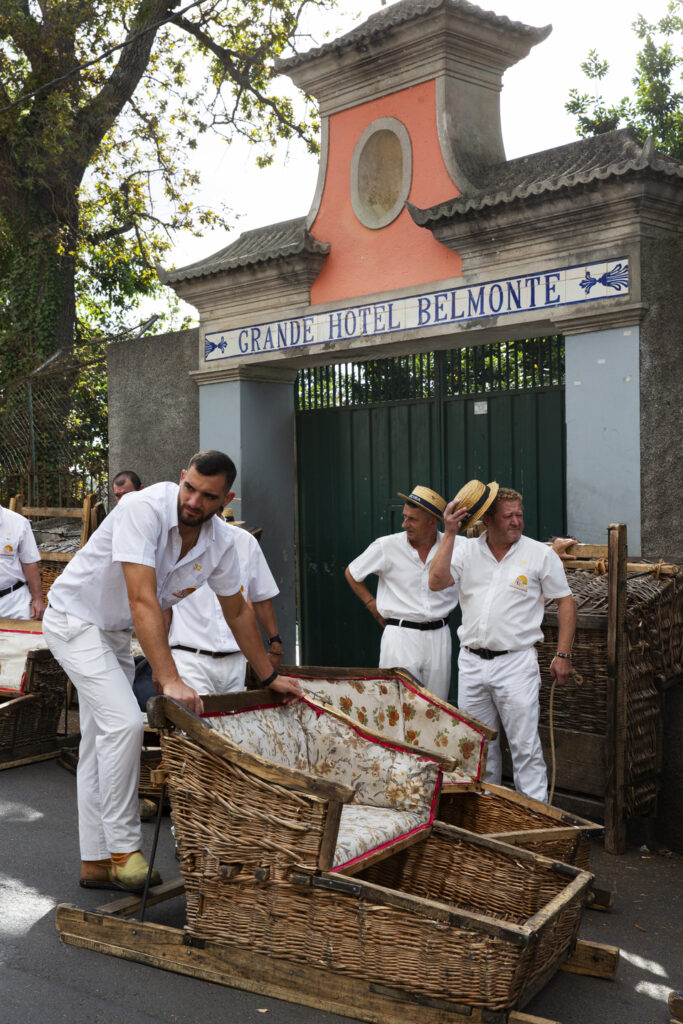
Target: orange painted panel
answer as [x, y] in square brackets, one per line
[362, 261]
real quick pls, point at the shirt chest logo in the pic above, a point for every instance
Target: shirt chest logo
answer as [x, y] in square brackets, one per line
[520, 583]
[7, 550]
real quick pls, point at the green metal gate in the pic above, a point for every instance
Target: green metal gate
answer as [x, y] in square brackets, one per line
[368, 430]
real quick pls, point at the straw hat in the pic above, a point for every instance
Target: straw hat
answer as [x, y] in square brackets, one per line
[426, 499]
[476, 497]
[229, 517]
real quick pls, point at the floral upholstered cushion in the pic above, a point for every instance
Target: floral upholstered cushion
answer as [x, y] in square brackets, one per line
[380, 775]
[364, 830]
[14, 647]
[370, 702]
[430, 725]
[274, 733]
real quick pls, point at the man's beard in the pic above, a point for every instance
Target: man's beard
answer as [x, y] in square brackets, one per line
[192, 520]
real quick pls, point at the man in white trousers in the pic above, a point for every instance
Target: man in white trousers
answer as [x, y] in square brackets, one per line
[204, 649]
[414, 619]
[21, 596]
[155, 548]
[504, 580]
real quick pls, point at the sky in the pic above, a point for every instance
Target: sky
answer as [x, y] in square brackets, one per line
[532, 107]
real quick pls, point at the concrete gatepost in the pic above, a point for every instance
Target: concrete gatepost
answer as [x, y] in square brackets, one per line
[253, 421]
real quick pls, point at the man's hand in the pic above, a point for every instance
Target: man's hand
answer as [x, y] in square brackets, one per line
[37, 608]
[290, 687]
[453, 517]
[560, 545]
[185, 695]
[560, 670]
[275, 658]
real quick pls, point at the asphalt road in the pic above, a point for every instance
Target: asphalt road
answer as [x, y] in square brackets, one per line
[43, 981]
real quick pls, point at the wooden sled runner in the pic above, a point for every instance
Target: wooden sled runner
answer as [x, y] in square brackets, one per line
[316, 871]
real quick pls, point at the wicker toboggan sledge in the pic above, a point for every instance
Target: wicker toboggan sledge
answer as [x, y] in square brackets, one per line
[316, 870]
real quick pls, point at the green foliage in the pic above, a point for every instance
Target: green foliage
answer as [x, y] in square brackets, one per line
[655, 108]
[95, 171]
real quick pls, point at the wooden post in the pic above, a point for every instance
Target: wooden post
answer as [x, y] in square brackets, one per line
[615, 822]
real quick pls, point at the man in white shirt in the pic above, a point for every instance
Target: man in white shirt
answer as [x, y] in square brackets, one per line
[204, 649]
[416, 635]
[21, 595]
[155, 548]
[504, 580]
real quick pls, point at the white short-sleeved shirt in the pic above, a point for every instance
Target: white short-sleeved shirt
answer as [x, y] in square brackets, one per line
[403, 589]
[198, 621]
[502, 602]
[17, 546]
[143, 529]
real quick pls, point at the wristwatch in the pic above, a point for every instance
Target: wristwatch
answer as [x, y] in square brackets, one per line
[277, 639]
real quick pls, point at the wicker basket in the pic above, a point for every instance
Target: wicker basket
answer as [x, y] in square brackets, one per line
[29, 723]
[500, 813]
[654, 655]
[454, 917]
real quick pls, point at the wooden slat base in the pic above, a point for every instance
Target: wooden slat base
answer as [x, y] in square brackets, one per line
[30, 760]
[594, 959]
[237, 967]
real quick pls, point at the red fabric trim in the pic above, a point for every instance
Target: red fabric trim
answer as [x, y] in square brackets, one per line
[24, 632]
[382, 846]
[447, 710]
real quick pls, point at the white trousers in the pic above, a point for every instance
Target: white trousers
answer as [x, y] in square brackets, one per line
[505, 690]
[16, 605]
[211, 675]
[100, 665]
[424, 653]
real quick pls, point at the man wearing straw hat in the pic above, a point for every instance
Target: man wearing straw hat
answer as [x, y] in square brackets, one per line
[504, 580]
[415, 633]
[155, 548]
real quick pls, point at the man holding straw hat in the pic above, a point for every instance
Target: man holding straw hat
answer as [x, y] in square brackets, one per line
[414, 620]
[504, 579]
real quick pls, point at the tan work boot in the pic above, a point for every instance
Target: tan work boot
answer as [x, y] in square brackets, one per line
[96, 874]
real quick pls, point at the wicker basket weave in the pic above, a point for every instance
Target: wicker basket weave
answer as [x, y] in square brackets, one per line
[29, 723]
[498, 919]
[654, 624]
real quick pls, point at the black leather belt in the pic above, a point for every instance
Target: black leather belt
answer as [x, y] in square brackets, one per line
[483, 652]
[406, 624]
[196, 650]
[15, 586]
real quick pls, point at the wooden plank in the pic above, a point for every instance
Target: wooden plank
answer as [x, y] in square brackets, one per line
[44, 512]
[33, 759]
[85, 516]
[587, 551]
[675, 1005]
[616, 738]
[663, 570]
[581, 760]
[130, 904]
[328, 843]
[56, 556]
[239, 967]
[21, 625]
[594, 959]
[387, 851]
[527, 1018]
[600, 899]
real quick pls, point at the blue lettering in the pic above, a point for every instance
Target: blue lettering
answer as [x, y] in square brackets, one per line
[423, 312]
[550, 285]
[364, 312]
[268, 341]
[475, 305]
[294, 332]
[392, 325]
[440, 314]
[255, 335]
[350, 323]
[454, 315]
[514, 296]
[335, 328]
[309, 337]
[282, 334]
[531, 283]
[380, 310]
[499, 298]
[242, 341]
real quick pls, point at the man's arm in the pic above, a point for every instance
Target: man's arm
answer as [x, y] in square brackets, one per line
[364, 595]
[31, 572]
[151, 630]
[560, 668]
[266, 618]
[242, 622]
